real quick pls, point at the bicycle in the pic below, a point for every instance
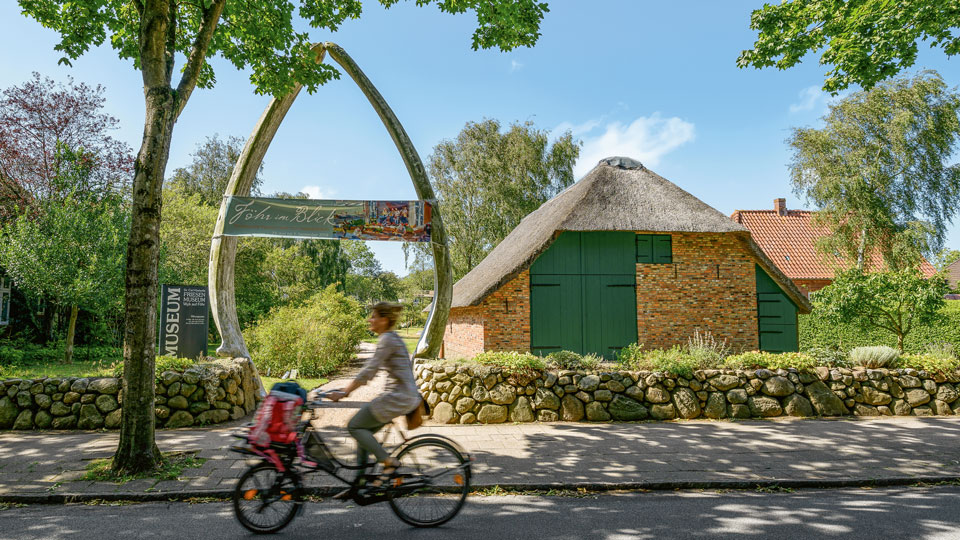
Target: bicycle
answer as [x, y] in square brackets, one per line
[428, 489]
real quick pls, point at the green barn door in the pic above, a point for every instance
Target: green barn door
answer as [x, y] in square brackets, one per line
[555, 308]
[776, 316]
[583, 294]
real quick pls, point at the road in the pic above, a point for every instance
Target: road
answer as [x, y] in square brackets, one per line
[895, 513]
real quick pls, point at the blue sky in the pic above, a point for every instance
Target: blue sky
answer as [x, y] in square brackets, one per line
[652, 80]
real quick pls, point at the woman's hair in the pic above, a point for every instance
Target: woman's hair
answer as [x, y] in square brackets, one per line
[388, 310]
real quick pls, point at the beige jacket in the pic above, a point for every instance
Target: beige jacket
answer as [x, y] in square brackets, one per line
[401, 394]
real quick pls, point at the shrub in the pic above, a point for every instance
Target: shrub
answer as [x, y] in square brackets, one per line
[929, 362]
[160, 364]
[512, 362]
[706, 348]
[825, 356]
[675, 360]
[572, 360]
[769, 360]
[874, 357]
[943, 350]
[817, 331]
[315, 338]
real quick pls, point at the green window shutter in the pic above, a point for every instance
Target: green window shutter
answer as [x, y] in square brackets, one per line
[562, 257]
[654, 248]
[662, 249]
[644, 248]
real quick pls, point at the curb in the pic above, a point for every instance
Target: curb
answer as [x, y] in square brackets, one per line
[67, 498]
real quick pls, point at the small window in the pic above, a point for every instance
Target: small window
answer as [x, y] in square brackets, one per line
[654, 249]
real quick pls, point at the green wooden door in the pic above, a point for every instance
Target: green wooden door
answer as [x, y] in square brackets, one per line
[776, 316]
[555, 313]
[583, 294]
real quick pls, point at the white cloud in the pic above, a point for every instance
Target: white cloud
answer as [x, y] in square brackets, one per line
[316, 192]
[647, 139]
[515, 66]
[809, 97]
[578, 130]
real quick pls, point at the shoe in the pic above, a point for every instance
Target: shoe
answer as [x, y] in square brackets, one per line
[388, 473]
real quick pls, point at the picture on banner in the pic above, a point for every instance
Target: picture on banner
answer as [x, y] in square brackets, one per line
[408, 221]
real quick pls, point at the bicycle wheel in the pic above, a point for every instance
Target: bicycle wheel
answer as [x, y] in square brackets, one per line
[266, 500]
[432, 485]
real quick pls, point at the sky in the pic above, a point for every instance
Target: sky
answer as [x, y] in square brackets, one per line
[655, 81]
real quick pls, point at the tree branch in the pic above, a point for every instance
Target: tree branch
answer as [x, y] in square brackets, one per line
[198, 54]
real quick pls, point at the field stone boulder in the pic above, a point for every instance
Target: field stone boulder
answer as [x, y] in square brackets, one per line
[480, 393]
[503, 394]
[947, 393]
[162, 412]
[24, 420]
[169, 377]
[688, 405]
[106, 385]
[43, 401]
[186, 390]
[738, 410]
[571, 409]
[237, 413]
[71, 397]
[58, 408]
[178, 402]
[615, 386]
[663, 411]
[777, 387]
[64, 422]
[824, 401]
[589, 383]
[465, 404]
[917, 396]
[603, 395]
[872, 396]
[24, 400]
[545, 399]
[492, 414]
[87, 399]
[112, 420]
[657, 394]
[724, 382]
[901, 407]
[198, 407]
[80, 385]
[596, 413]
[468, 418]
[214, 416]
[180, 419]
[909, 381]
[191, 376]
[44, 420]
[930, 386]
[716, 406]
[444, 413]
[90, 417]
[521, 410]
[106, 403]
[625, 409]
[942, 408]
[635, 392]
[764, 406]
[738, 396]
[797, 405]
[922, 411]
[546, 415]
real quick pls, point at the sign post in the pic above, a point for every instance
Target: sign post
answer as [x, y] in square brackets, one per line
[184, 320]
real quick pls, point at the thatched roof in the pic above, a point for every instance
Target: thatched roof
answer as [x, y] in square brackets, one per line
[619, 194]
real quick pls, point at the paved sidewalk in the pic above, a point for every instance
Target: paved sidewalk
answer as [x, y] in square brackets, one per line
[45, 467]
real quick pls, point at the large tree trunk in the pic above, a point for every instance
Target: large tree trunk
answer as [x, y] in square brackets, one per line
[71, 330]
[137, 450]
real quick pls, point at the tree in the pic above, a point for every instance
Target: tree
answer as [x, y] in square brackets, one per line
[879, 171]
[260, 36]
[893, 301]
[39, 117]
[71, 250]
[945, 258]
[865, 41]
[487, 181]
[208, 173]
[365, 278]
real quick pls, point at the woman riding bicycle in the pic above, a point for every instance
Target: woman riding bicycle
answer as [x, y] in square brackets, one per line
[399, 397]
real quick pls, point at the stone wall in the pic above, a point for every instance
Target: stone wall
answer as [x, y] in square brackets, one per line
[468, 394]
[207, 393]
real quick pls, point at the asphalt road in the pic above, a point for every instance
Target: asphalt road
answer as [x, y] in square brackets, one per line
[908, 513]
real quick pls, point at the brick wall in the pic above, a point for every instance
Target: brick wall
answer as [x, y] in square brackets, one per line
[711, 285]
[463, 337]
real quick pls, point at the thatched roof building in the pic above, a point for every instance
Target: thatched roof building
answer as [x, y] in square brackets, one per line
[619, 194]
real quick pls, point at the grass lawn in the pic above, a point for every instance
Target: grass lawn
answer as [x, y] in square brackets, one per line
[410, 337]
[77, 368]
[309, 384]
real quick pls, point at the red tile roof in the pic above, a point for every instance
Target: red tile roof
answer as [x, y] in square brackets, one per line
[789, 240]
